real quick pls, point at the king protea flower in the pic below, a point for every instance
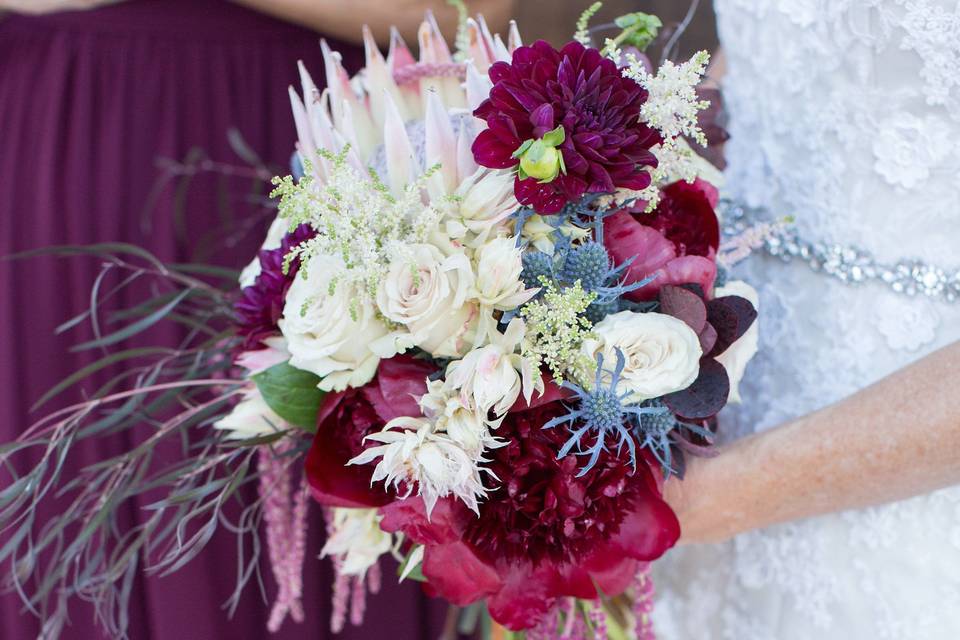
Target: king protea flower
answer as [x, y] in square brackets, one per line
[400, 115]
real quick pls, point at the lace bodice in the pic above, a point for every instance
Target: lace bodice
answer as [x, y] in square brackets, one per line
[844, 114]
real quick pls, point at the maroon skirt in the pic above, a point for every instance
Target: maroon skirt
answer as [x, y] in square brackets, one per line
[91, 105]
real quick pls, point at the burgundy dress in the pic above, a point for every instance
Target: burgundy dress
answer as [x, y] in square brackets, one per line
[89, 101]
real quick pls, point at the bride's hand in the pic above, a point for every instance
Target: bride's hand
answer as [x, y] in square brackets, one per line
[51, 6]
[698, 502]
[893, 440]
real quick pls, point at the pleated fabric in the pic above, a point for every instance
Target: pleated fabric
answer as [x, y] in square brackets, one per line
[91, 103]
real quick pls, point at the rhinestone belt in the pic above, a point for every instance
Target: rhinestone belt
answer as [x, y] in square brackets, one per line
[846, 263]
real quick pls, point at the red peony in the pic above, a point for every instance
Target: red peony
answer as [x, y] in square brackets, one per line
[677, 242]
[346, 417]
[545, 533]
[605, 145]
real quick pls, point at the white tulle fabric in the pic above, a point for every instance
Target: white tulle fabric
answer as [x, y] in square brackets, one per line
[845, 113]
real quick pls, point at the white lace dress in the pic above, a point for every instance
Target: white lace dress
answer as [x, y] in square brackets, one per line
[845, 113]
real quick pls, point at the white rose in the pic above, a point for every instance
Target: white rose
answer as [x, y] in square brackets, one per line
[357, 538]
[662, 354]
[251, 417]
[278, 229]
[323, 335]
[498, 282]
[737, 355]
[426, 295]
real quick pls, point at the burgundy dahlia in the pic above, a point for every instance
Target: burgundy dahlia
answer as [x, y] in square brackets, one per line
[345, 418]
[677, 243]
[605, 145]
[545, 533]
[261, 304]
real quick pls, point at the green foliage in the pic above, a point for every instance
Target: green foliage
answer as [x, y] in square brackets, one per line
[292, 394]
[639, 29]
[582, 34]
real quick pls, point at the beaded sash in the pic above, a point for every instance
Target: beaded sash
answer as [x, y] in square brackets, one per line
[849, 264]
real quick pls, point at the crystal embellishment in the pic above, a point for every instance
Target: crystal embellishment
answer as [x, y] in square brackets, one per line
[846, 263]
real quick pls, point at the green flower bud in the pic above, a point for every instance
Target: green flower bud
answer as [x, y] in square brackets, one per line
[540, 159]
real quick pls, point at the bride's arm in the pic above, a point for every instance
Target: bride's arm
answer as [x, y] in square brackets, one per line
[894, 440]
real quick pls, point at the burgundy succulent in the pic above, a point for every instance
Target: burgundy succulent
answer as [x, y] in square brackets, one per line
[545, 533]
[345, 418]
[605, 144]
[261, 304]
[677, 242]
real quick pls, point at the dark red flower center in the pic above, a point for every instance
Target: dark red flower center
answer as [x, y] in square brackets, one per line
[542, 510]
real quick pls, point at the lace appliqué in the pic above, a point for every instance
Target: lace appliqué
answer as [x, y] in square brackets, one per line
[843, 113]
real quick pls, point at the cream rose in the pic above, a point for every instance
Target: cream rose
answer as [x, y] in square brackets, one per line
[662, 354]
[737, 355]
[426, 295]
[329, 333]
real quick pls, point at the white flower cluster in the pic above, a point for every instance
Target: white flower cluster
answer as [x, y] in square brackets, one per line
[442, 453]
[356, 540]
[672, 106]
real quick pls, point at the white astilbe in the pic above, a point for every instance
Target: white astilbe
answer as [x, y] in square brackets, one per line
[414, 454]
[357, 540]
[672, 105]
[672, 108]
[357, 219]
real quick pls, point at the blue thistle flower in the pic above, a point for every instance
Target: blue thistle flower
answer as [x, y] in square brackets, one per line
[536, 265]
[601, 412]
[597, 311]
[656, 429]
[589, 263]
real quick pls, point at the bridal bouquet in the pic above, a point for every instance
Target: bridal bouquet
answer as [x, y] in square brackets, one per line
[486, 323]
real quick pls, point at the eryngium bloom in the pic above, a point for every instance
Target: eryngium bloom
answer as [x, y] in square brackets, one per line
[605, 145]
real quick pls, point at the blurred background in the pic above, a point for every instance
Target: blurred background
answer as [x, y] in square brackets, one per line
[553, 21]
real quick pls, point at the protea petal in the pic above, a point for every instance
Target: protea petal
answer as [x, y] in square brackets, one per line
[399, 57]
[513, 37]
[401, 159]
[379, 80]
[478, 87]
[499, 49]
[441, 143]
[305, 142]
[361, 139]
[480, 53]
[434, 50]
[466, 164]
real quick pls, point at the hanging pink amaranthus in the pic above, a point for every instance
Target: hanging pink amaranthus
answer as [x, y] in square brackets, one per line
[285, 517]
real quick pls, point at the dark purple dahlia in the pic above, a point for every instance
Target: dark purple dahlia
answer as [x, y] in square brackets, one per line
[605, 146]
[261, 304]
